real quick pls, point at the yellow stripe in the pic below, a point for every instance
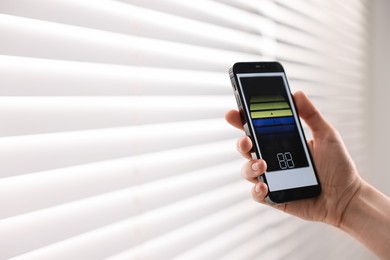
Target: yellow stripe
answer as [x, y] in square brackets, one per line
[271, 113]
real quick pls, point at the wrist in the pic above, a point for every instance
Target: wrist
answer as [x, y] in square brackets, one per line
[353, 207]
[366, 219]
[340, 203]
[351, 204]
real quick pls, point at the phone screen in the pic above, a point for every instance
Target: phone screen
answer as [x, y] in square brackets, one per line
[276, 130]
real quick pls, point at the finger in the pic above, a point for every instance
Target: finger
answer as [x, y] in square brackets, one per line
[259, 192]
[253, 169]
[309, 113]
[244, 146]
[233, 118]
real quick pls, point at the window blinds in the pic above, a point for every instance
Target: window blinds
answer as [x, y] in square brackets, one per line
[112, 139]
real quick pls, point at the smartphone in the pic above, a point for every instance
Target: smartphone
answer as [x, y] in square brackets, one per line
[271, 120]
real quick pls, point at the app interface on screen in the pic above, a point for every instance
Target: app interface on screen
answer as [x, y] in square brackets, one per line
[273, 121]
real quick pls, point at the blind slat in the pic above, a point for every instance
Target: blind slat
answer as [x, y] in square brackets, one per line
[61, 114]
[46, 77]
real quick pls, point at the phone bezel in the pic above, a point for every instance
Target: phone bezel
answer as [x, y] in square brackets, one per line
[280, 196]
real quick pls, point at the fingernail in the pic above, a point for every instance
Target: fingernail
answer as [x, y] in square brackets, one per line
[257, 188]
[255, 167]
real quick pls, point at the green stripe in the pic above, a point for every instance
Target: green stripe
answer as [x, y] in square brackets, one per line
[269, 106]
[258, 99]
[271, 113]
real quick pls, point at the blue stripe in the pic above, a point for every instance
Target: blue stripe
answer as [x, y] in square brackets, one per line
[273, 121]
[275, 129]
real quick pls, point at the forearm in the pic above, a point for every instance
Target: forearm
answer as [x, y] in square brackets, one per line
[367, 218]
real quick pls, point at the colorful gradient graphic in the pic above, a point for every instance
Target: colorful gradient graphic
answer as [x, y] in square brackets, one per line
[271, 115]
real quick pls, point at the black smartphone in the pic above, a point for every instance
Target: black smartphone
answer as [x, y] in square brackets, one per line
[271, 120]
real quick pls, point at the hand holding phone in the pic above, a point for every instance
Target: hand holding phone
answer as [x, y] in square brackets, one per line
[346, 200]
[271, 120]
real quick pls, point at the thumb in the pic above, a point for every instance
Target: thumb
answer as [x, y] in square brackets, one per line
[310, 114]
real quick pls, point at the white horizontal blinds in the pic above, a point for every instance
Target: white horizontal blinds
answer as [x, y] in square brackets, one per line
[115, 139]
[113, 144]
